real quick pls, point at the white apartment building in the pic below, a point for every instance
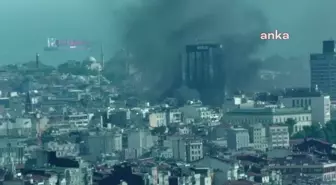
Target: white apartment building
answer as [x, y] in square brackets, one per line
[238, 138]
[257, 134]
[184, 130]
[63, 149]
[197, 111]
[117, 142]
[190, 177]
[194, 150]
[235, 101]
[79, 119]
[277, 136]
[157, 119]
[318, 102]
[174, 116]
[186, 149]
[269, 115]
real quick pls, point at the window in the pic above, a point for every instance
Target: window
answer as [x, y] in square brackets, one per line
[309, 102]
[293, 103]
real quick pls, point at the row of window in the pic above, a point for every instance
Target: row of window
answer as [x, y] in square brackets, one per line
[301, 103]
[196, 152]
[194, 158]
[195, 146]
[279, 130]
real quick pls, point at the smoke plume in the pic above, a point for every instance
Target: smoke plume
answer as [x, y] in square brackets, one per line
[156, 32]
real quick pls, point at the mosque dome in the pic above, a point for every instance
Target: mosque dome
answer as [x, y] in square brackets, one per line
[91, 59]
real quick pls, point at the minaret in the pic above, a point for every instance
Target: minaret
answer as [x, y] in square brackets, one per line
[37, 60]
[102, 59]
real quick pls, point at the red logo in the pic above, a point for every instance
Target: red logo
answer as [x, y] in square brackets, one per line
[71, 43]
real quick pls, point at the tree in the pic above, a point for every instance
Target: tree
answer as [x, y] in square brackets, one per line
[313, 131]
[159, 130]
[330, 131]
[290, 123]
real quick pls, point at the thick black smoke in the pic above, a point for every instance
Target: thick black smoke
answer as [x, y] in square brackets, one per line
[156, 32]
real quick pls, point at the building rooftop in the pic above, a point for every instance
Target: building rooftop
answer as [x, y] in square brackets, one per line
[300, 159]
[268, 111]
[198, 47]
[239, 129]
[302, 93]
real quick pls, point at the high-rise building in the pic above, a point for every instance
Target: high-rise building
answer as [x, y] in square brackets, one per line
[203, 70]
[323, 69]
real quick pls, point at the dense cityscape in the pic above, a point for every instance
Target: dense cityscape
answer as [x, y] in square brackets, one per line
[177, 93]
[64, 128]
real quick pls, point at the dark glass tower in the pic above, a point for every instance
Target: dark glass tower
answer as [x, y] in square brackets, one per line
[203, 70]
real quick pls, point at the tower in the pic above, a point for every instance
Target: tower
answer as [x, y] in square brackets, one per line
[37, 60]
[203, 70]
[323, 69]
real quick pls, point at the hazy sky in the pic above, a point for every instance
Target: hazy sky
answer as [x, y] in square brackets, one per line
[25, 25]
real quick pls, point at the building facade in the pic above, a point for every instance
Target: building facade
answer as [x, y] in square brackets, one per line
[202, 69]
[307, 97]
[324, 171]
[257, 134]
[323, 69]
[141, 141]
[269, 115]
[157, 119]
[277, 136]
[238, 138]
[187, 149]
